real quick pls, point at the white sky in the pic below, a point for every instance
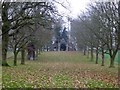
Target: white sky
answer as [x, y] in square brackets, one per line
[76, 6]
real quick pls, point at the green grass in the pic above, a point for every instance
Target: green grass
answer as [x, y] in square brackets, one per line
[62, 81]
[60, 70]
[107, 56]
[9, 54]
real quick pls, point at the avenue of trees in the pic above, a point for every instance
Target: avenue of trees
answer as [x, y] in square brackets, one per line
[98, 30]
[26, 22]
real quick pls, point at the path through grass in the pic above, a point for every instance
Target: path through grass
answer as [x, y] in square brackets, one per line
[60, 70]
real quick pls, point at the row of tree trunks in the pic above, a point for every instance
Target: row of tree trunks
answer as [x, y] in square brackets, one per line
[22, 56]
[97, 55]
[112, 57]
[5, 35]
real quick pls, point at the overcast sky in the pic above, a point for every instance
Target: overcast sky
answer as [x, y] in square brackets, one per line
[76, 6]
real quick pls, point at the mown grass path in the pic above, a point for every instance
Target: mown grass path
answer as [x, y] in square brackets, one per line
[60, 70]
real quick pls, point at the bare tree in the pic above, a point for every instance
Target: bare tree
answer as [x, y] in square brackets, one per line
[17, 15]
[101, 24]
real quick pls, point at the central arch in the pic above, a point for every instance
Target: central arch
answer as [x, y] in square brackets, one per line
[63, 47]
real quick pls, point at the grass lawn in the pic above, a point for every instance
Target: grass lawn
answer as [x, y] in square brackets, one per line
[107, 56]
[60, 70]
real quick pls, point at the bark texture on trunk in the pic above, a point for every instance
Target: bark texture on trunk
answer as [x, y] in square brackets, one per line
[5, 33]
[112, 59]
[22, 55]
[15, 59]
[4, 49]
[102, 57]
[97, 55]
[91, 53]
[112, 62]
[88, 53]
[84, 51]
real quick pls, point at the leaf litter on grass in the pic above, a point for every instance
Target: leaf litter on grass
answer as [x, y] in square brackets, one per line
[64, 74]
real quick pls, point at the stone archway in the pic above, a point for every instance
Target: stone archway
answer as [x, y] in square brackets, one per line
[63, 47]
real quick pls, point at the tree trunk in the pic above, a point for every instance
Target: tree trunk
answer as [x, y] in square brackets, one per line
[47, 48]
[84, 51]
[88, 53]
[4, 49]
[5, 35]
[102, 57]
[91, 53]
[37, 53]
[15, 59]
[118, 34]
[112, 58]
[112, 62]
[97, 55]
[23, 55]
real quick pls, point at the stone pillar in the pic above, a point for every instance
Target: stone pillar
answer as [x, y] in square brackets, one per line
[67, 47]
[58, 46]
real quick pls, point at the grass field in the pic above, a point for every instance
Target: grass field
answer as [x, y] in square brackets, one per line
[60, 70]
[107, 56]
